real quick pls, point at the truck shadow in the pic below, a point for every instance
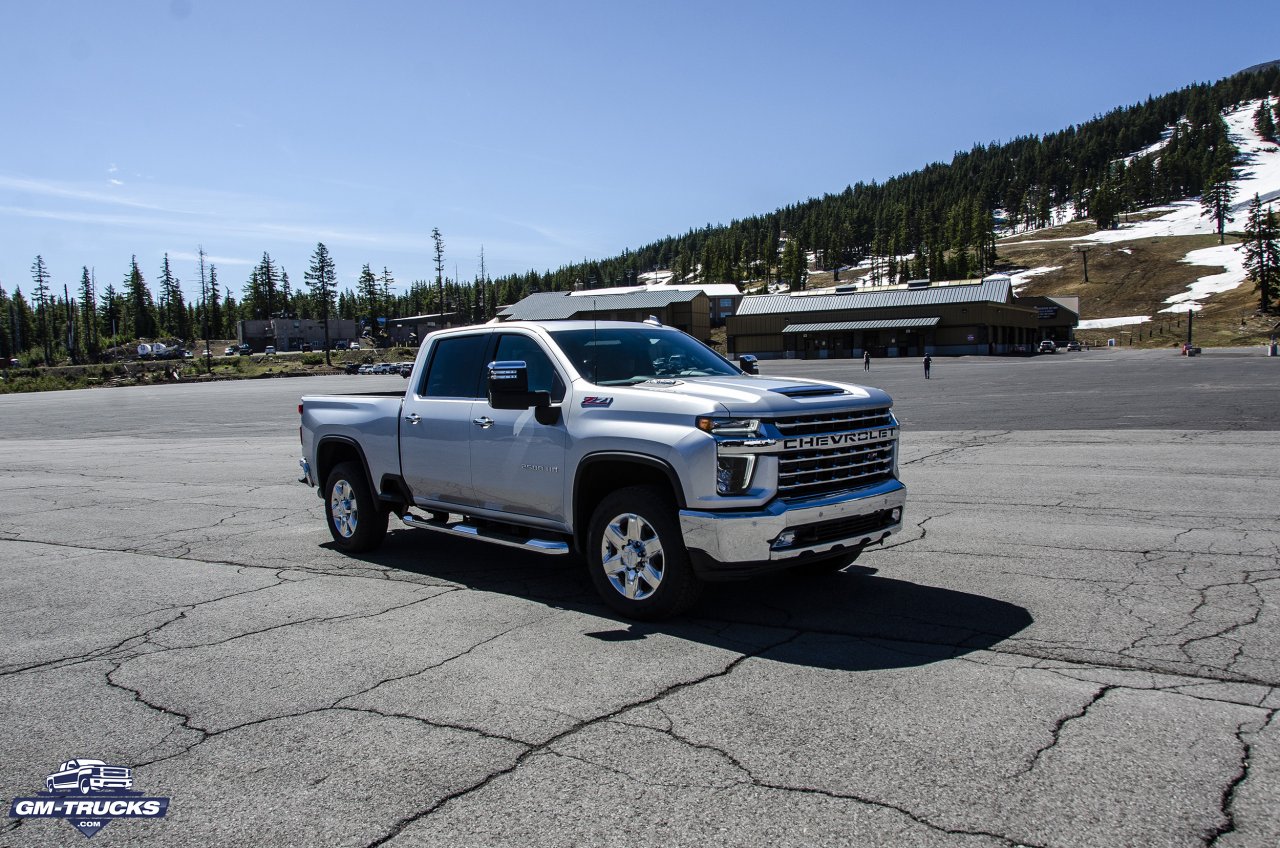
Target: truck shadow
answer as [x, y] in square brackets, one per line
[855, 620]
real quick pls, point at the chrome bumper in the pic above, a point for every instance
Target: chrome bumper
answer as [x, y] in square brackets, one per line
[757, 536]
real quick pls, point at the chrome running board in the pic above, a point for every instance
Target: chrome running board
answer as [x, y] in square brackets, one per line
[467, 531]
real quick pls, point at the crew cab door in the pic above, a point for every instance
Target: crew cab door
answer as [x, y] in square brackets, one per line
[436, 420]
[517, 464]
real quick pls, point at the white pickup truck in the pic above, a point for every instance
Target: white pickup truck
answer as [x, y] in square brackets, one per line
[633, 445]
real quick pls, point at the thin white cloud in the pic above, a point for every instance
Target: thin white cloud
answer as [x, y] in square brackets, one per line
[47, 189]
[116, 182]
[210, 259]
[111, 169]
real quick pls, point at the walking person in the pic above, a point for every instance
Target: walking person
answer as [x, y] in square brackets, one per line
[928, 363]
[866, 360]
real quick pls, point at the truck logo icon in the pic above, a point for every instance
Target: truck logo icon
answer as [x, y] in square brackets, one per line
[89, 794]
[88, 777]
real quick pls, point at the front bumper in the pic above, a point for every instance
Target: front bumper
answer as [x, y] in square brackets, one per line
[748, 541]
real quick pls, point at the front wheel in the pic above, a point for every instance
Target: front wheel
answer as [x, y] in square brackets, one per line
[355, 519]
[636, 555]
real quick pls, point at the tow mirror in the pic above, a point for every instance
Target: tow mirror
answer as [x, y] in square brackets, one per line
[509, 389]
[747, 363]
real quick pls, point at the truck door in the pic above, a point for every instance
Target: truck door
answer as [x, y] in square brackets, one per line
[517, 464]
[436, 420]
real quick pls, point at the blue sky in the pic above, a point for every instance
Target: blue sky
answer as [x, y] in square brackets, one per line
[545, 132]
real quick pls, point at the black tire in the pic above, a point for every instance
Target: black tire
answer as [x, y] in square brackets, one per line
[356, 520]
[85, 786]
[636, 555]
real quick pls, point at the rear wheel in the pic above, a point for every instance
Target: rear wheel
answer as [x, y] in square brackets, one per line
[355, 518]
[636, 555]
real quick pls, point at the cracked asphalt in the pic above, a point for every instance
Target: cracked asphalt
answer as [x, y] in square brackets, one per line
[1074, 642]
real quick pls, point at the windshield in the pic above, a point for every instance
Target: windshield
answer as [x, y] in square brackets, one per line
[624, 356]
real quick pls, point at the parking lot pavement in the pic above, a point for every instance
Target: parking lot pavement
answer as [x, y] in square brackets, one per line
[1074, 642]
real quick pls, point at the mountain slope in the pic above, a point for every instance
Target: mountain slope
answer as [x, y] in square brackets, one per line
[1161, 262]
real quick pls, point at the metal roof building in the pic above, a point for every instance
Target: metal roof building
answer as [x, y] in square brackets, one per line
[980, 317]
[685, 309]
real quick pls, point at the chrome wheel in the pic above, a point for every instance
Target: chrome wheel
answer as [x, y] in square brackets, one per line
[631, 555]
[342, 507]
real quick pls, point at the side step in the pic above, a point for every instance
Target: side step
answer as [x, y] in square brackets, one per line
[467, 531]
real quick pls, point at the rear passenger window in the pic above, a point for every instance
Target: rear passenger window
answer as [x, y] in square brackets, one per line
[456, 367]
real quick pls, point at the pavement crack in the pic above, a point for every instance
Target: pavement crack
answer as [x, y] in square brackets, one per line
[1226, 801]
[1055, 733]
[545, 746]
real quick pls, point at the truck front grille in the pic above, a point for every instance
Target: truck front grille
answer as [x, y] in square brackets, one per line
[833, 422]
[814, 472]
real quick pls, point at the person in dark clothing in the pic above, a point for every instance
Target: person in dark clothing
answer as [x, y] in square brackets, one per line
[928, 362]
[866, 360]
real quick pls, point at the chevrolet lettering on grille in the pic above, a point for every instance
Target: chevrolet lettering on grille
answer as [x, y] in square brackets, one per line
[835, 440]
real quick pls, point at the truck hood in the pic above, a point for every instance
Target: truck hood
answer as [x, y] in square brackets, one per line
[762, 396]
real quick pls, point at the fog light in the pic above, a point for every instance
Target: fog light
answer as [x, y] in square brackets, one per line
[896, 514]
[733, 474]
[785, 539]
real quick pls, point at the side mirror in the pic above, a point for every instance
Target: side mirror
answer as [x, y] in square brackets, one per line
[748, 364]
[509, 389]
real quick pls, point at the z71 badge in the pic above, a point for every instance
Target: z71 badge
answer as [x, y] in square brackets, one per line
[596, 401]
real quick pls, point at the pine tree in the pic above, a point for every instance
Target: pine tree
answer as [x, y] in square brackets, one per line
[40, 275]
[217, 324]
[1216, 199]
[1263, 121]
[322, 278]
[385, 284]
[173, 308]
[438, 240]
[286, 294]
[89, 339]
[6, 326]
[23, 322]
[139, 308]
[793, 265]
[367, 286]
[1262, 252]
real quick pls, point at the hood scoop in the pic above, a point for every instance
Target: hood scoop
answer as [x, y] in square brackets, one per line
[808, 391]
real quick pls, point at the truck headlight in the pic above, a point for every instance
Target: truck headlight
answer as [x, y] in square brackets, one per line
[729, 426]
[733, 474]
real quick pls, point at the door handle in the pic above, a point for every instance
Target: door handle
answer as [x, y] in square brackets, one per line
[413, 418]
[483, 423]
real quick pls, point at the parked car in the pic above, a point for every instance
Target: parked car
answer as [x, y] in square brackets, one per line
[230, 351]
[1048, 346]
[352, 368]
[1073, 345]
[270, 350]
[244, 350]
[354, 346]
[339, 345]
[307, 347]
